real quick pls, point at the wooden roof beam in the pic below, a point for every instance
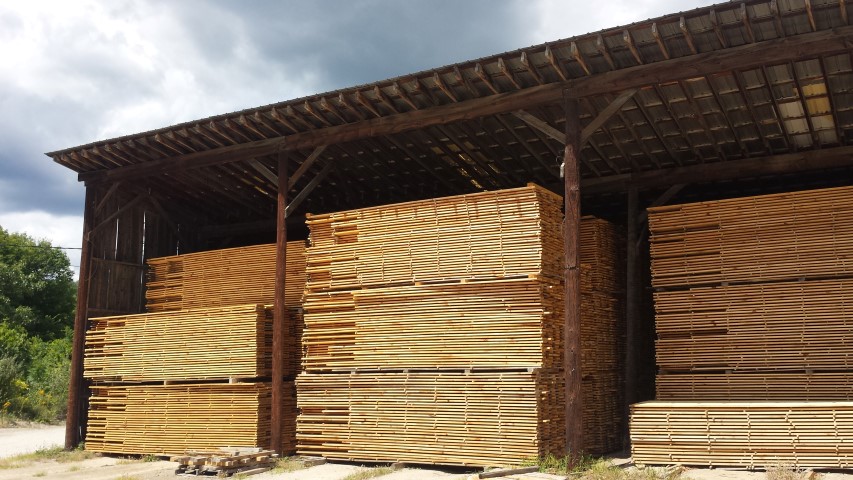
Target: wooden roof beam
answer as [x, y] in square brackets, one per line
[578, 56]
[525, 60]
[602, 49]
[688, 37]
[810, 45]
[722, 171]
[302, 195]
[306, 164]
[747, 23]
[842, 6]
[629, 42]
[661, 45]
[485, 78]
[555, 63]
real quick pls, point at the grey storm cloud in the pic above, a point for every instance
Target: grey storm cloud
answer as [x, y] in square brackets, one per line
[78, 72]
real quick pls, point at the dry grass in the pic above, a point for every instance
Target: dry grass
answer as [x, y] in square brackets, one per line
[786, 472]
[590, 468]
[56, 454]
[369, 473]
[288, 464]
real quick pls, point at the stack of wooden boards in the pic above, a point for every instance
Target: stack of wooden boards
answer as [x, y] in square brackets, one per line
[753, 303]
[230, 276]
[433, 331]
[602, 335]
[194, 374]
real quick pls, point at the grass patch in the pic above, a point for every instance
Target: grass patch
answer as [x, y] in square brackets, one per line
[786, 472]
[560, 465]
[40, 474]
[287, 464]
[369, 473]
[592, 468]
[128, 477]
[56, 454]
[74, 468]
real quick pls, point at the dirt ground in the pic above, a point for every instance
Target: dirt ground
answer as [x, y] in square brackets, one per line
[17, 440]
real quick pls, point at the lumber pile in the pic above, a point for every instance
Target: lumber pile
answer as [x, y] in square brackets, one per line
[433, 332]
[602, 335]
[478, 418]
[753, 239]
[231, 276]
[225, 462]
[758, 434]
[215, 343]
[172, 380]
[753, 302]
[172, 419]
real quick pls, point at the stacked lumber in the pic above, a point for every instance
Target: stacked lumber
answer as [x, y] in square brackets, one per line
[479, 418]
[766, 238]
[753, 303]
[485, 235]
[206, 343]
[447, 325]
[172, 419]
[230, 276]
[757, 434]
[602, 335]
[434, 332]
[774, 386]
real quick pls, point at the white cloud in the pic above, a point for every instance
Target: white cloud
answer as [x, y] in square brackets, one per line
[59, 230]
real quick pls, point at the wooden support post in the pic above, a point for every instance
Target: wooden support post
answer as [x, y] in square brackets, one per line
[75, 421]
[280, 316]
[632, 306]
[571, 226]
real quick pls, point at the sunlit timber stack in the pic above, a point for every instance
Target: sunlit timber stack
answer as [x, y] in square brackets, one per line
[180, 378]
[727, 101]
[753, 305]
[445, 316]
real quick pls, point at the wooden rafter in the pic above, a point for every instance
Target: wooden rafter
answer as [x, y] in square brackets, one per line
[742, 57]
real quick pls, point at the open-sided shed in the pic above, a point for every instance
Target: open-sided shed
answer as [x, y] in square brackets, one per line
[757, 95]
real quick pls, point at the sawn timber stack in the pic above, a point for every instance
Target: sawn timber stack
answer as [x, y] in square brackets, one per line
[433, 331]
[753, 302]
[230, 276]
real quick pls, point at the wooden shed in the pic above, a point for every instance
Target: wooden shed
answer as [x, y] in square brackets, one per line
[730, 100]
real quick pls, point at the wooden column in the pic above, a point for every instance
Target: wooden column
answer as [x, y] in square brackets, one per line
[280, 317]
[571, 226]
[631, 308]
[75, 421]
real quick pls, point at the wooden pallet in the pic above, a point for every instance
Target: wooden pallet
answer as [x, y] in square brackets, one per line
[225, 462]
[173, 419]
[477, 418]
[743, 434]
[230, 276]
[784, 236]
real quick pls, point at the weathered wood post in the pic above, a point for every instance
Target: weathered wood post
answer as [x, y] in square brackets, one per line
[75, 421]
[571, 226]
[280, 317]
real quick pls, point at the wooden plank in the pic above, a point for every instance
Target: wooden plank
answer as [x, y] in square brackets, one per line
[304, 166]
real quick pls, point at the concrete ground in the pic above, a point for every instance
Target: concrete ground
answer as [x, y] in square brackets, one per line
[18, 440]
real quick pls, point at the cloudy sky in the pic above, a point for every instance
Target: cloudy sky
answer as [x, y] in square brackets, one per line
[76, 71]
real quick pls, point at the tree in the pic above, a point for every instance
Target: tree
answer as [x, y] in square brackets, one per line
[37, 288]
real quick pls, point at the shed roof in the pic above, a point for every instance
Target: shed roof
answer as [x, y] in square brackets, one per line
[714, 85]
